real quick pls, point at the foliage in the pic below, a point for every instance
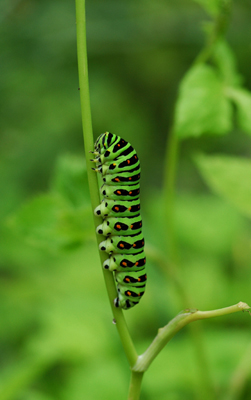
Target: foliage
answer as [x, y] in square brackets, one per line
[57, 336]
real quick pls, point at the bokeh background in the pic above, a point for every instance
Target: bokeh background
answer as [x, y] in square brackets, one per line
[57, 340]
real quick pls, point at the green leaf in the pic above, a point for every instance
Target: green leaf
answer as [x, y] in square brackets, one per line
[61, 218]
[242, 100]
[70, 180]
[202, 106]
[50, 222]
[230, 177]
[226, 63]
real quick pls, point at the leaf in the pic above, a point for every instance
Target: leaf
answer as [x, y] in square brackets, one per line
[70, 180]
[202, 106]
[230, 177]
[242, 100]
[63, 217]
[225, 61]
[216, 234]
[48, 221]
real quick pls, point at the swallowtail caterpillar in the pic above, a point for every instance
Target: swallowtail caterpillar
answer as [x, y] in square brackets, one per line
[118, 163]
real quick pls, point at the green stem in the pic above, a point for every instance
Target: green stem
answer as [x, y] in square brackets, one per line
[135, 385]
[169, 192]
[92, 176]
[206, 386]
[217, 31]
[166, 333]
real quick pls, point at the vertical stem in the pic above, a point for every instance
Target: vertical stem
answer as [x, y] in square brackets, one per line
[218, 31]
[135, 385]
[169, 192]
[92, 178]
[206, 385]
[85, 100]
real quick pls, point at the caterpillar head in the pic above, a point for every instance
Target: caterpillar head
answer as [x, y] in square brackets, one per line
[103, 142]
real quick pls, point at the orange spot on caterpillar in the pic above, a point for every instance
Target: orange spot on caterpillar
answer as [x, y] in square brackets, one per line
[128, 293]
[137, 263]
[139, 280]
[121, 245]
[129, 208]
[127, 280]
[124, 263]
[128, 161]
[131, 226]
[118, 192]
[116, 179]
[130, 192]
[116, 209]
[118, 226]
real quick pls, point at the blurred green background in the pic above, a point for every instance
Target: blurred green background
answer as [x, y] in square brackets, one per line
[57, 340]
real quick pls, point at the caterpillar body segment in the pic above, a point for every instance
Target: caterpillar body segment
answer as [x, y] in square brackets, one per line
[117, 162]
[122, 262]
[123, 244]
[115, 208]
[118, 192]
[115, 226]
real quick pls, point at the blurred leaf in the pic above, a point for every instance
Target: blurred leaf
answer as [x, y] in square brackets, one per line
[202, 106]
[48, 221]
[242, 100]
[70, 180]
[63, 217]
[211, 6]
[226, 62]
[230, 177]
[216, 235]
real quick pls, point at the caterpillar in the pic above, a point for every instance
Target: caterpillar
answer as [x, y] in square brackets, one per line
[117, 162]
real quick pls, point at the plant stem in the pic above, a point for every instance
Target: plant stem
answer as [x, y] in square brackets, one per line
[92, 176]
[206, 386]
[217, 31]
[169, 192]
[135, 385]
[166, 333]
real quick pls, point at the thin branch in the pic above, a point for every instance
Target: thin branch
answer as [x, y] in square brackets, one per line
[166, 333]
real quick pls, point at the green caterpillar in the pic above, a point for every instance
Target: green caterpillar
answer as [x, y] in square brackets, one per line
[119, 166]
